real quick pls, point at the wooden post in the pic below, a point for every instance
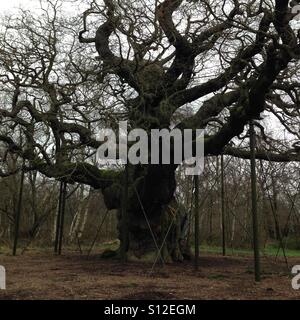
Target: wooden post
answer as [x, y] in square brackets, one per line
[197, 222]
[254, 204]
[62, 218]
[223, 206]
[58, 218]
[18, 213]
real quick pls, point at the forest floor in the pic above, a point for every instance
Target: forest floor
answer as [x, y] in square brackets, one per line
[41, 275]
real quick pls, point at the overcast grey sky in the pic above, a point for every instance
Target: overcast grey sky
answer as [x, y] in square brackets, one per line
[8, 5]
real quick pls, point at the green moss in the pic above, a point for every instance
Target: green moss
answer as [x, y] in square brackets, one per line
[166, 110]
[150, 76]
[110, 174]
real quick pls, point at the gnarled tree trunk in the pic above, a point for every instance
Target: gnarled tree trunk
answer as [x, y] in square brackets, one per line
[157, 223]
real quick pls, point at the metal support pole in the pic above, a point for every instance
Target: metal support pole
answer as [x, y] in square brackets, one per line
[254, 204]
[62, 217]
[58, 218]
[124, 230]
[18, 213]
[197, 222]
[223, 206]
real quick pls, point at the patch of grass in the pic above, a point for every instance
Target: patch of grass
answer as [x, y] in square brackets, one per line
[113, 245]
[270, 250]
[5, 250]
[36, 249]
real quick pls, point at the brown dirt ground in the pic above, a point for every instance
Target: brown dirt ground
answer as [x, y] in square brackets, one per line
[73, 276]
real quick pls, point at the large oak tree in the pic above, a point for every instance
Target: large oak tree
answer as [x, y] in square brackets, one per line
[213, 65]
